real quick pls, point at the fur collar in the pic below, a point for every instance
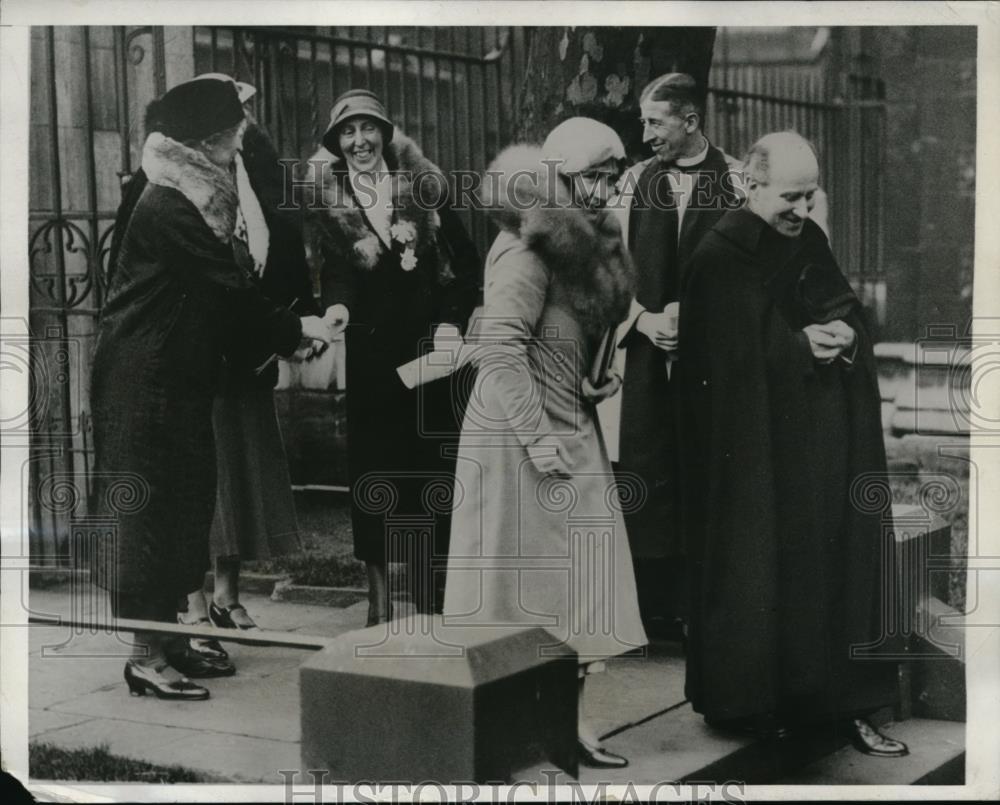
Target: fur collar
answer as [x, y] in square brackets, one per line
[211, 189]
[415, 178]
[582, 247]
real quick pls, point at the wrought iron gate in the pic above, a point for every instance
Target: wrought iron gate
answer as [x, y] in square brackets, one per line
[451, 89]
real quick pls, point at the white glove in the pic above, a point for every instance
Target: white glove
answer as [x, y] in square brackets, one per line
[336, 318]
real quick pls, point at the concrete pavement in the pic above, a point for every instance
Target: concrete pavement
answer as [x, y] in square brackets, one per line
[248, 731]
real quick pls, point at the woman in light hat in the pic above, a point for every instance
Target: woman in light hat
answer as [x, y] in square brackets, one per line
[538, 536]
[398, 271]
[178, 301]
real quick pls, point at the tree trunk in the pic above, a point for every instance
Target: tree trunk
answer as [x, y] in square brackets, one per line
[599, 73]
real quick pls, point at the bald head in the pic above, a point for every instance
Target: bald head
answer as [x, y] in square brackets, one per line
[782, 176]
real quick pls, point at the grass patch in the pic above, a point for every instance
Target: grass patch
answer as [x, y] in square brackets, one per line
[49, 762]
[327, 558]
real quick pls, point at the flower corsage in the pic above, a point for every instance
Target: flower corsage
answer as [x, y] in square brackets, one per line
[404, 234]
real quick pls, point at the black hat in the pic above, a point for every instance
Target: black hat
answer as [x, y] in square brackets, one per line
[356, 103]
[196, 109]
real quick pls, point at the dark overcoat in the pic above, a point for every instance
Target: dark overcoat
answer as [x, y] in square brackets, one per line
[177, 302]
[397, 438]
[286, 277]
[650, 422]
[789, 549]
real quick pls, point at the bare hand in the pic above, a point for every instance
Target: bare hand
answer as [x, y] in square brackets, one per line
[309, 352]
[550, 458]
[660, 328]
[315, 329]
[596, 394]
[827, 341]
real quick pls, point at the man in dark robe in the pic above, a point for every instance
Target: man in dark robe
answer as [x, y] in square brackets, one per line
[788, 561]
[667, 205]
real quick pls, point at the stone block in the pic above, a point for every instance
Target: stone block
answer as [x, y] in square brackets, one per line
[938, 676]
[415, 700]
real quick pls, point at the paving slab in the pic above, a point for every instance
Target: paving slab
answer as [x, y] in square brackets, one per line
[933, 745]
[41, 721]
[665, 749]
[121, 738]
[57, 680]
[240, 758]
[635, 688]
[248, 731]
[240, 705]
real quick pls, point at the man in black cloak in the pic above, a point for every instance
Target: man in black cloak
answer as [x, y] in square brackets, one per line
[783, 429]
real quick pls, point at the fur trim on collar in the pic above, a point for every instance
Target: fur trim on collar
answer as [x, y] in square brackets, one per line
[583, 247]
[418, 187]
[210, 188]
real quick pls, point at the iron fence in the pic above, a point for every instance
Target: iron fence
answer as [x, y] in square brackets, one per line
[454, 90]
[844, 117]
[451, 89]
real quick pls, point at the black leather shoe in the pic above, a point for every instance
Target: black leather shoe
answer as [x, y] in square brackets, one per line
[207, 647]
[142, 679]
[195, 666]
[865, 738]
[223, 617]
[597, 757]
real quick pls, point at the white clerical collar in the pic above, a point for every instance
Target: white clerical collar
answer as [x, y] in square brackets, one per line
[690, 162]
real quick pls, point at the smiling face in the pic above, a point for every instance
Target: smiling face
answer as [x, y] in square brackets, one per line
[786, 197]
[671, 136]
[595, 186]
[360, 140]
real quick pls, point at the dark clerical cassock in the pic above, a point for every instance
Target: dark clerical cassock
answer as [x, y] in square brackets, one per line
[650, 421]
[788, 560]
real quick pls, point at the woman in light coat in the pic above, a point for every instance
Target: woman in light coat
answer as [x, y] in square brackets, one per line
[538, 536]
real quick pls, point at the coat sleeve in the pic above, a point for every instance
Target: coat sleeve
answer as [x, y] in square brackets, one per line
[460, 296]
[513, 306]
[288, 262]
[188, 248]
[337, 275]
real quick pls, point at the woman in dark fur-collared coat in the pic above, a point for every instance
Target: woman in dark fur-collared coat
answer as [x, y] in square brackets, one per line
[398, 269]
[177, 303]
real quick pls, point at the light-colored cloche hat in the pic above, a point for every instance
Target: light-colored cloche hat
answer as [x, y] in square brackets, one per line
[356, 103]
[580, 143]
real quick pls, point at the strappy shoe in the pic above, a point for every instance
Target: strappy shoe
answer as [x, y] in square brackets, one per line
[223, 617]
[207, 647]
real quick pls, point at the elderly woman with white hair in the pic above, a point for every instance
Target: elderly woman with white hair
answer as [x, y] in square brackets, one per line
[532, 461]
[180, 303]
